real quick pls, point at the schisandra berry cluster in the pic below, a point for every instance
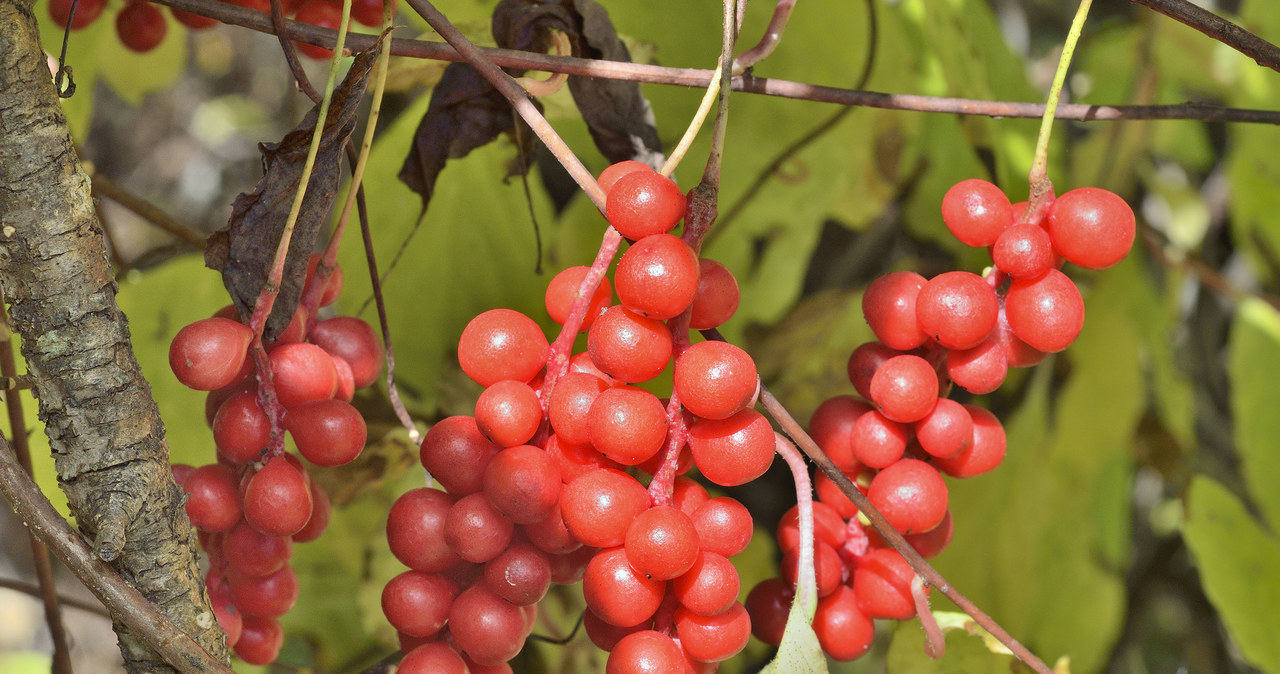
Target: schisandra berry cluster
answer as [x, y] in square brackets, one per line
[141, 26]
[544, 483]
[903, 434]
[252, 505]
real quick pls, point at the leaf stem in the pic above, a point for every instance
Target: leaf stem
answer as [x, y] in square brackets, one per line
[806, 581]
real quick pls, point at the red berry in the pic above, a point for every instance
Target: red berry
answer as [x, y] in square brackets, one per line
[976, 212]
[241, 430]
[957, 309]
[882, 583]
[827, 565]
[628, 425]
[831, 426]
[563, 289]
[333, 284]
[210, 354]
[878, 441]
[662, 543]
[509, 413]
[213, 500]
[828, 527]
[724, 526]
[455, 452]
[643, 203]
[1091, 227]
[487, 628]
[302, 372]
[612, 173]
[1023, 251]
[863, 363]
[476, 530]
[253, 553]
[843, 631]
[260, 640]
[86, 12]
[715, 380]
[986, 452]
[141, 26]
[277, 500]
[415, 530]
[320, 511]
[657, 277]
[709, 587]
[269, 596]
[318, 13]
[717, 296]
[617, 592]
[1046, 312]
[432, 658]
[521, 574]
[418, 603]
[599, 506]
[733, 451]
[979, 370]
[354, 341]
[369, 12]
[713, 638]
[502, 344]
[629, 347]
[645, 652]
[522, 483]
[947, 430]
[905, 388]
[769, 604]
[570, 405]
[911, 495]
[889, 305]
[327, 432]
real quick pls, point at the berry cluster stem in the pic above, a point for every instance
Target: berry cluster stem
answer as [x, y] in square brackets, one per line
[1041, 187]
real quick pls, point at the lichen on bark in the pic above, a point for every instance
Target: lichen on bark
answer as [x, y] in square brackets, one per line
[103, 425]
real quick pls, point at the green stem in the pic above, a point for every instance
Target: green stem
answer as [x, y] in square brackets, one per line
[1041, 186]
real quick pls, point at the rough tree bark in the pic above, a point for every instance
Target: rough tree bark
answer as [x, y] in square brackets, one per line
[103, 425]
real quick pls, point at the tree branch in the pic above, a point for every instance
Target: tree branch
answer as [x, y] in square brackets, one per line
[700, 78]
[1262, 52]
[126, 604]
[103, 425]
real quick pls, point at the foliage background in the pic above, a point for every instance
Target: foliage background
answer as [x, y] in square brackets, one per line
[1133, 526]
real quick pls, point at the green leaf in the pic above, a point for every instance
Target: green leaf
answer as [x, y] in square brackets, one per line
[799, 652]
[1254, 367]
[966, 651]
[1239, 564]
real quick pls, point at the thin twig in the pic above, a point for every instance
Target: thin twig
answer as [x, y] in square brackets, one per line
[106, 187]
[126, 604]
[1262, 52]
[39, 553]
[291, 52]
[700, 78]
[70, 602]
[769, 41]
[1041, 187]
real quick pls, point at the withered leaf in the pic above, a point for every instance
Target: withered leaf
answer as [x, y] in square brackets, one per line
[245, 249]
[465, 113]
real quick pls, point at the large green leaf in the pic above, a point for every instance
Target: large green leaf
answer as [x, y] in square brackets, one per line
[1254, 366]
[965, 652]
[1239, 564]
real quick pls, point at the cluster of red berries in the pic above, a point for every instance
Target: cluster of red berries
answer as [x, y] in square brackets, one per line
[546, 482]
[959, 328]
[251, 505]
[141, 26]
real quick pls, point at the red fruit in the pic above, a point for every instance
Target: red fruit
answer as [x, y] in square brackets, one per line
[645, 652]
[415, 530]
[976, 212]
[715, 380]
[241, 430]
[141, 26]
[1046, 312]
[86, 12]
[957, 309]
[502, 344]
[657, 277]
[213, 500]
[911, 495]
[267, 597]
[521, 574]
[456, 454]
[618, 593]
[932, 542]
[982, 369]
[550, 535]
[485, 627]
[831, 426]
[1091, 227]
[769, 603]
[628, 425]
[724, 525]
[599, 506]
[418, 603]
[260, 640]
[863, 363]
[733, 451]
[889, 305]
[709, 587]
[369, 12]
[878, 441]
[476, 530]
[432, 658]
[320, 510]
[828, 527]
[1023, 251]
[986, 452]
[612, 173]
[627, 346]
[843, 631]
[328, 432]
[229, 617]
[354, 341]
[318, 13]
[643, 203]
[302, 372]
[717, 297]
[333, 284]
[829, 494]
[210, 354]
[575, 460]
[509, 413]
[563, 290]
[570, 406]
[522, 483]
[827, 565]
[277, 500]
[905, 388]
[713, 638]
[662, 543]
[253, 553]
[947, 430]
[882, 583]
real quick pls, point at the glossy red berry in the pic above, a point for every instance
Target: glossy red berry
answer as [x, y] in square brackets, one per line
[947, 430]
[735, 450]
[976, 211]
[523, 483]
[717, 297]
[612, 173]
[715, 380]
[354, 341]
[769, 603]
[645, 652]
[260, 640]
[327, 432]
[241, 430]
[831, 426]
[570, 405]
[277, 500]
[1045, 312]
[957, 309]
[436, 657]
[141, 26]
[662, 543]
[1091, 227]
[1023, 251]
[644, 203]
[521, 574]
[709, 587]
[877, 440]
[843, 631]
[982, 369]
[618, 593]
[629, 347]
[724, 525]
[863, 363]
[882, 583]
[476, 530]
[627, 424]
[889, 305]
[911, 495]
[418, 603]
[86, 12]
[563, 290]
[415, 530]
[713, 638]
[484, 626]
[657, 277]
[211, 354]
[502, 344]
[456, 453]
[302, 372]
[318, 13]
[905, 388]
[213, 501]
[509, 413]
[599, 506]
[984, 454]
